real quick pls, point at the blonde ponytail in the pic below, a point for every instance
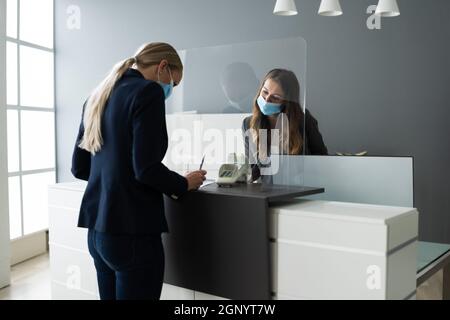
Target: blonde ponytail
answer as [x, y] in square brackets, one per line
[92, 140]
[147, 56]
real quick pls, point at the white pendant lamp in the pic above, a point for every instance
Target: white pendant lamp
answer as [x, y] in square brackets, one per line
[387, 8]
[285, 8]
[330, 8]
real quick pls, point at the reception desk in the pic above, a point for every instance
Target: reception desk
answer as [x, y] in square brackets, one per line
[252, 243]
[218, 241]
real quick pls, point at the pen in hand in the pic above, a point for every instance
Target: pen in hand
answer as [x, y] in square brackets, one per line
[195, 179]
[201, 165]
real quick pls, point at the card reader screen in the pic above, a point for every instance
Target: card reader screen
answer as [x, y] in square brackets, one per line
[226, 174]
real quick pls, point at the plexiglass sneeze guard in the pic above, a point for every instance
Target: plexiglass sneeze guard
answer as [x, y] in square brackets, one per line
[219, 90]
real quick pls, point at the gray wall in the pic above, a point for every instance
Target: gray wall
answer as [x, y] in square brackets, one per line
[384, 91]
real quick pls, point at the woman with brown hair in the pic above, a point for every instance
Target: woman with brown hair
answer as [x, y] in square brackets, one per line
[277, 106]
[119, 150]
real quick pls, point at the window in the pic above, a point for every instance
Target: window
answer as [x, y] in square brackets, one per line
[30, 113]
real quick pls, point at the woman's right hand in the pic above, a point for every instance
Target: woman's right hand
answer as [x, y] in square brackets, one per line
[195, 179]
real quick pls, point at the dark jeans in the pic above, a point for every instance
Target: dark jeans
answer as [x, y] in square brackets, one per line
[128, 267]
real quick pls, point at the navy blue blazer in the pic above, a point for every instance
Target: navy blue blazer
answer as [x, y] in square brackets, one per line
[126, 179]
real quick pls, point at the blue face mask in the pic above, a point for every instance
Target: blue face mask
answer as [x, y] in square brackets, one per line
[268, 108]
[167, 87]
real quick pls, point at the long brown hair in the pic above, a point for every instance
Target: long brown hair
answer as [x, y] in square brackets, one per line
[147, 56]
[292, 109]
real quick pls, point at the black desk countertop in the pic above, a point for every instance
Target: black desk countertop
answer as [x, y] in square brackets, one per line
[261, 191]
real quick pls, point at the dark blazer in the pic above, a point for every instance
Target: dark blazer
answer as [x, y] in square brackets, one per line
[126, 179]
[312, 141]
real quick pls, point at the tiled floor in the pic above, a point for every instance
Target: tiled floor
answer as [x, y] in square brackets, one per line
[30, 280]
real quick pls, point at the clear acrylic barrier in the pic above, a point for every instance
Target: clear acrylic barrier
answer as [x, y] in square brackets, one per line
[225, 79]
[218, 91]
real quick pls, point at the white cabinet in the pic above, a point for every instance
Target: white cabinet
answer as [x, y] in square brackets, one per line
[62, 292]
[72, 269]
[205, 296]
[333, 250]
[170, 292]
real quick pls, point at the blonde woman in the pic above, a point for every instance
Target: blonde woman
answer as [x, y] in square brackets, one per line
[121, 143]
